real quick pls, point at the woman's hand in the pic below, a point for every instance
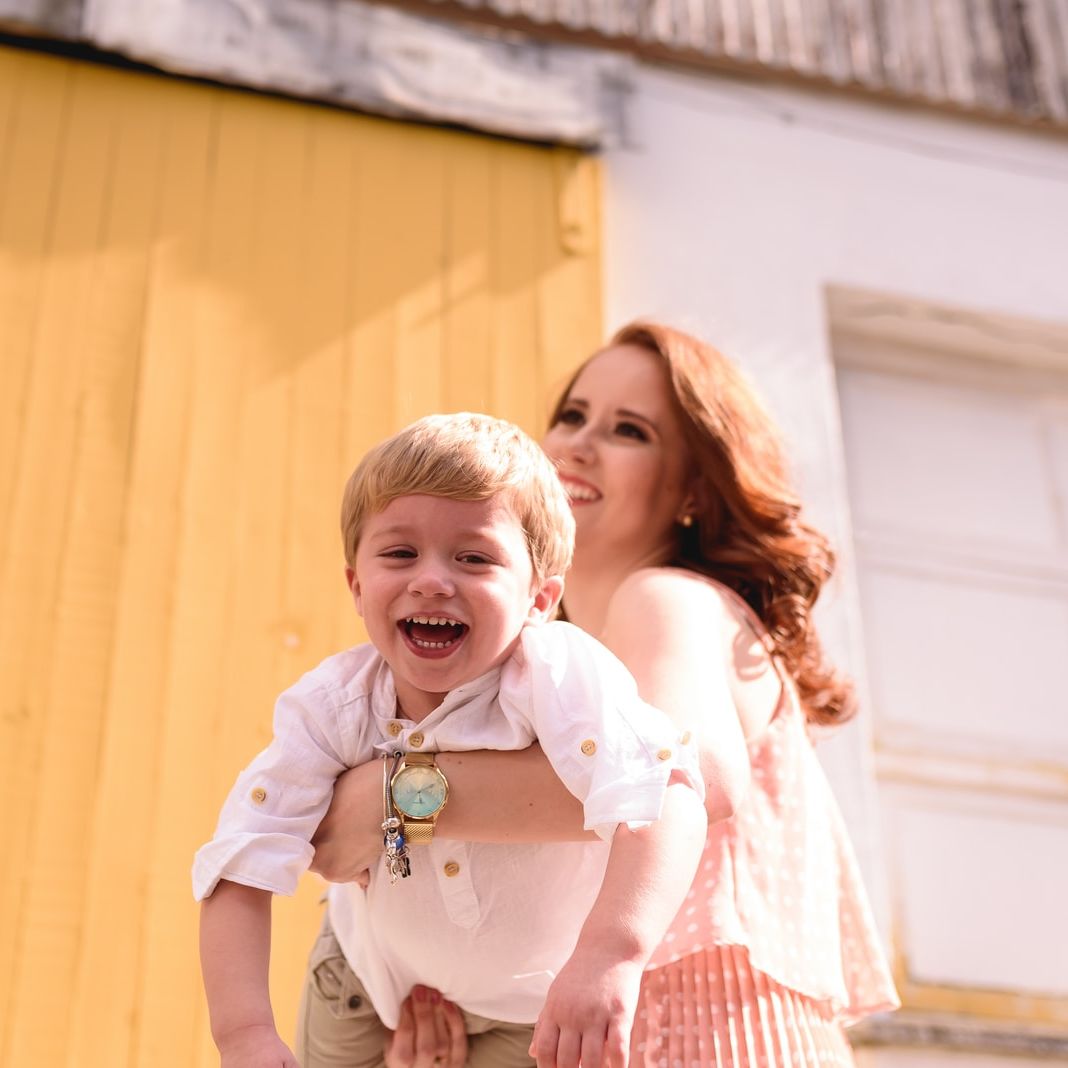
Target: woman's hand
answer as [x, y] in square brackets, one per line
[430, 1033]
[349, 839]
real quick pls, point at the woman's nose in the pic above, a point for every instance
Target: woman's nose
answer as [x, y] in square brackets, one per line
[578, 448]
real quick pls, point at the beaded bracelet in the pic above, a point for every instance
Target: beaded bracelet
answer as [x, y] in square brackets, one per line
[398, 862]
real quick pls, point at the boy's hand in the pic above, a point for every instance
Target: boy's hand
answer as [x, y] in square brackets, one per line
[256, 1047]
[588, 1014]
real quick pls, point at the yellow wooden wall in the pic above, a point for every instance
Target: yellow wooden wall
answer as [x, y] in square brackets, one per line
[210, 304]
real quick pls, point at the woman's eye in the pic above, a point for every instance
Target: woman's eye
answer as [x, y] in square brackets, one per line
[571, 416]
[631, 430]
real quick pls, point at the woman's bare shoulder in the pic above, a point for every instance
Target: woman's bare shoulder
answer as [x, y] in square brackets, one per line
[673, 590]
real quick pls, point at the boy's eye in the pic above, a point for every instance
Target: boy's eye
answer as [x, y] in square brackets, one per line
[474, 558]
[571, 416]
[631, 430]
[398, 554]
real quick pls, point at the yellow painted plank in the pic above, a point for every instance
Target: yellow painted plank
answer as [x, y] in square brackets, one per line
[12, 71]
[204, 614]
[369, 371]
[468, 303]
[519, 254]
[34, 104]
[73, 462]
[416, 202]
[399, 288]
[36, 98]
[260, 507]
[104, 1014]
[265, 517]
[569, 288]
[316, 462]
[312, 579]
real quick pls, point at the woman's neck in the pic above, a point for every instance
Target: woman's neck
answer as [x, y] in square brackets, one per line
[593, 581]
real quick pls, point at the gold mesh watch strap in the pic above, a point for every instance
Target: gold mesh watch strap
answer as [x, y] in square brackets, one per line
[420, 758]
[418, 832]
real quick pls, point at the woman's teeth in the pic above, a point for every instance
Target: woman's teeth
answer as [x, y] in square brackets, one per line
[581, 493]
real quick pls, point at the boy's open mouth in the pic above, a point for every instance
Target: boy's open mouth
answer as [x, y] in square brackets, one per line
[433, 632]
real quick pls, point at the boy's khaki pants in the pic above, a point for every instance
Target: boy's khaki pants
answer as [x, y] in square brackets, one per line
[337, 1027]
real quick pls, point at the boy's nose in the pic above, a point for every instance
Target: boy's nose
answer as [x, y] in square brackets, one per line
[431, 581]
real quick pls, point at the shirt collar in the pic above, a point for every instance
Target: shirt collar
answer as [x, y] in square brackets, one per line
[384, 700]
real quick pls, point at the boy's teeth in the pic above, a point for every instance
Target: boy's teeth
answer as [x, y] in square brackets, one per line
[434, 621]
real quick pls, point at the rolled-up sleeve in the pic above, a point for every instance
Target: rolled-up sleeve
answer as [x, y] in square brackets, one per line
[263, 838]
[613, 751]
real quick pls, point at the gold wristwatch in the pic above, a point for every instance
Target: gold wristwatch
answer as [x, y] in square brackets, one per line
[419, 791]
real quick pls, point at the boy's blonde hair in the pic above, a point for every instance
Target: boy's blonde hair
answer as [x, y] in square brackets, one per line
[465, 457]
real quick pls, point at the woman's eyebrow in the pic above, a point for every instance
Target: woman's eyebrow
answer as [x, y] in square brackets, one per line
[629, 414]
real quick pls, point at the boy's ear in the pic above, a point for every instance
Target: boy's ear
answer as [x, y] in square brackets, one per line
[546, 599]
[354, 588]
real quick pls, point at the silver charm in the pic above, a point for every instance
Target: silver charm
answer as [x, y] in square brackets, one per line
[398, 861]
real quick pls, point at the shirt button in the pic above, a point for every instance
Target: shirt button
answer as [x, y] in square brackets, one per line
[395, 728]
[451, 869]
[664, 754]
[259, 795]
[416, 740]
[589, 747]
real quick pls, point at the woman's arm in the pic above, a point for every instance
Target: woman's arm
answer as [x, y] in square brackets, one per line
[494, 796]
[667, 627]
[675, 654]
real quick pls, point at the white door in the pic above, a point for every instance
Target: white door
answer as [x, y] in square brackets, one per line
[958, 480]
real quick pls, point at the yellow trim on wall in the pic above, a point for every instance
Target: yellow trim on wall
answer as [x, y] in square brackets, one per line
[1008, 1008]
[211, 304]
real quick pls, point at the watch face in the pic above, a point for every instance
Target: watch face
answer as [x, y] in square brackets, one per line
[419, 791]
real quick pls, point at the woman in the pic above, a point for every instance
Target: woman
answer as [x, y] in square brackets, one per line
[693, 564]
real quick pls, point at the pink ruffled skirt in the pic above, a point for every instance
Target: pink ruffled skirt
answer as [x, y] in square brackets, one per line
[712, 1008]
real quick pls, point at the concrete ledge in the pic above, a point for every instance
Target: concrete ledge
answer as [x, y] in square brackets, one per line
[365, 56]
[961, 1034]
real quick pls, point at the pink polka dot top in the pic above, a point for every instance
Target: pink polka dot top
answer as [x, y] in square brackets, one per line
[780, 878]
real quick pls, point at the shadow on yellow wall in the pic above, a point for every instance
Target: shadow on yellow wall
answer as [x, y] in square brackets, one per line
[211, 303]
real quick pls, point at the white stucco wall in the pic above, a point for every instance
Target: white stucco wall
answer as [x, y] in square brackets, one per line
[732, 206]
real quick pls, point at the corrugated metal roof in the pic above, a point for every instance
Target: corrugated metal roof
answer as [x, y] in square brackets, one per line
[1006, 58]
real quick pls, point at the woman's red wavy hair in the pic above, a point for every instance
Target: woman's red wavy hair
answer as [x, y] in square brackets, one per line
[748, 532]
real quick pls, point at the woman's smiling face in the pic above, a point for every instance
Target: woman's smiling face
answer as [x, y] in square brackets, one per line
[619, 447]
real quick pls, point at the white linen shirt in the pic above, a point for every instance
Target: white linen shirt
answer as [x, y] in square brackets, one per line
[487, 924]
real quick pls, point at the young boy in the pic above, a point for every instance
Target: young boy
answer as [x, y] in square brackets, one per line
[457, 534]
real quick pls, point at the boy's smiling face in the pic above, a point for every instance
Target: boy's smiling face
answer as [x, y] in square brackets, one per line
[444, 588]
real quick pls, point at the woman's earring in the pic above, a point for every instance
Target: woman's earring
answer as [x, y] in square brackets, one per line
[687, 520]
